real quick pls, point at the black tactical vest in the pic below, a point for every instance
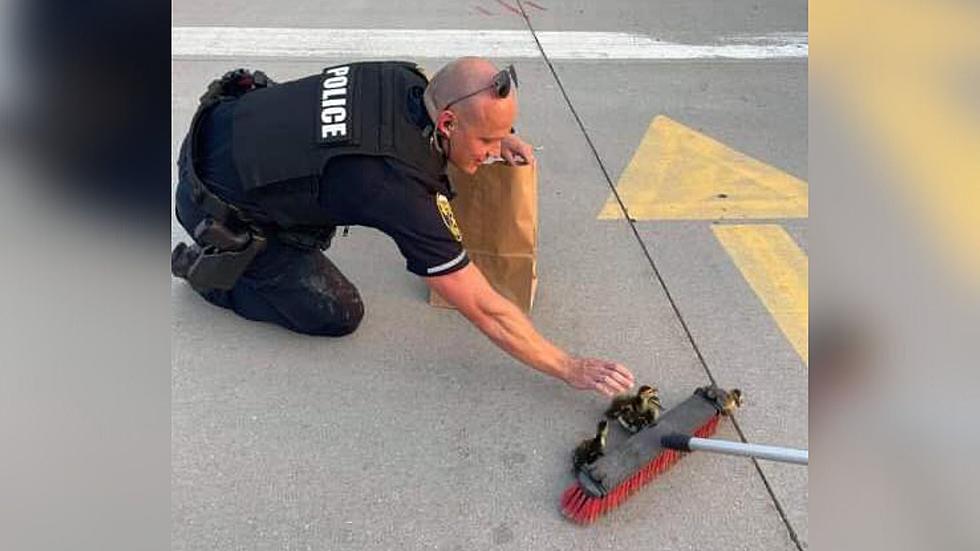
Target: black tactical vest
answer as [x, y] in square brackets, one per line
[284, 135]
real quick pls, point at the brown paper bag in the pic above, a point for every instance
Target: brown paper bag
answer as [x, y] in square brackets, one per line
[497, 213]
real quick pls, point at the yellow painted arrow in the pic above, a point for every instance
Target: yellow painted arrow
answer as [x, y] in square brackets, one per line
[677, 173]
[777, 270]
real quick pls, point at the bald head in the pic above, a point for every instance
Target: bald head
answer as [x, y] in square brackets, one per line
[460, 78]
[472, 129]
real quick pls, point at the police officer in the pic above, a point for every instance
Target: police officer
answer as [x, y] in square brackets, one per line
[269, 171]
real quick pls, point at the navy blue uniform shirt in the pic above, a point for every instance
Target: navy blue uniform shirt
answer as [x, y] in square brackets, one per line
[383, 193]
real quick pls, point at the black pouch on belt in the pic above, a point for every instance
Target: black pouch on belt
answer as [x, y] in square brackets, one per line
[219, 258]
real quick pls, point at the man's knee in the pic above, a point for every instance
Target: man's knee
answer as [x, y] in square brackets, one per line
[344, 317]
[329, 304]
[355, 313]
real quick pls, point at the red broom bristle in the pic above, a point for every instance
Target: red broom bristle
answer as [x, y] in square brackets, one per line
[583, 508]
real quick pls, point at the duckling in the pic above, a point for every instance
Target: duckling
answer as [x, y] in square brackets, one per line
[625, 402]
[732, 401]
[645, 411]
[726, 401]
[591, 449]
[620, 404]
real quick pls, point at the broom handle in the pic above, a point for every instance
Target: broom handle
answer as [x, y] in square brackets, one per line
[683, 442]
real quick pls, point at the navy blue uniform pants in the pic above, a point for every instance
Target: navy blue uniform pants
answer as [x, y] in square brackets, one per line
[299, 289]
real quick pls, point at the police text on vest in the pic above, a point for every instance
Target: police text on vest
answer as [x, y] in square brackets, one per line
[333, 109]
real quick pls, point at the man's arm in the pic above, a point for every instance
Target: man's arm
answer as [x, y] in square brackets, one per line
[469, 291]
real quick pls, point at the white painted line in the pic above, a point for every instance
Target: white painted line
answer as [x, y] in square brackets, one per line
[246, 42]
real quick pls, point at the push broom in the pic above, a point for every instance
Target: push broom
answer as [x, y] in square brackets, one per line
[604, 484]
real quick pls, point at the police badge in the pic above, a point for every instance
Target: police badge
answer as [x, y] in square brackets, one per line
[448, 219]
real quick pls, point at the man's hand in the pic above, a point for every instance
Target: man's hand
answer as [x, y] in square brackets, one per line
[516, 151]
[605, 377]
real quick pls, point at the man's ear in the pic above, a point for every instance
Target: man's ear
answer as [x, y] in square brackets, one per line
[446, 122]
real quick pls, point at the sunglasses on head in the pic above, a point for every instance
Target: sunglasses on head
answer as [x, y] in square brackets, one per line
[500, 85]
